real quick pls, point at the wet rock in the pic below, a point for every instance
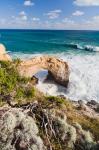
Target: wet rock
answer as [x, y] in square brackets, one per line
[92, 102]
[34, 80]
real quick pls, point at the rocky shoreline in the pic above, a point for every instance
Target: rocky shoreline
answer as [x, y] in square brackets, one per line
[30, 120]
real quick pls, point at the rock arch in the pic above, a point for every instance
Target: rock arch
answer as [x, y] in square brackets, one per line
[58, 69]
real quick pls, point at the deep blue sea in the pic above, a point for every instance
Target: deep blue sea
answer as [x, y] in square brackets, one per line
[79, 48]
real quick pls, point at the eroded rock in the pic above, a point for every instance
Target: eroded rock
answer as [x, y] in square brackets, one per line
[57, 69]
[3, 55]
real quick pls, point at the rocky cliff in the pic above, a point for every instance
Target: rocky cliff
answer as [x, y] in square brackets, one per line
[3, 55]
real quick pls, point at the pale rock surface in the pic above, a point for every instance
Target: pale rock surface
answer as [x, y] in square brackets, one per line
[3, 55]
[58, 69]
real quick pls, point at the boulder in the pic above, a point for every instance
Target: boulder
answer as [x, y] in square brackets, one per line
[58, 69]
[3, 55]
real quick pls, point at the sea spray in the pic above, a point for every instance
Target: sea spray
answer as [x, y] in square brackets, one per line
[84, 78]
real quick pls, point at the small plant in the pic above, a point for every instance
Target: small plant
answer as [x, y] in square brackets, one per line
[58, 101]
[12, 82]
[30, 93]
[20, 93]
[1, 103]
[23, 80]
[17, 61]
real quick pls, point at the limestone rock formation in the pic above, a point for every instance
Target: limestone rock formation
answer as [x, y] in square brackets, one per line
[3, 55]
[58, 69]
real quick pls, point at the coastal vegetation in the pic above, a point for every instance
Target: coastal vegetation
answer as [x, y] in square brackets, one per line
[62, 123]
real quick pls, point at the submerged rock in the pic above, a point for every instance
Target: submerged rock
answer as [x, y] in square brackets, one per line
[57, 69]
[3, 55]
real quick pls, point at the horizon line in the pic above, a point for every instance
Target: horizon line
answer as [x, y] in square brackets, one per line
[49, 29]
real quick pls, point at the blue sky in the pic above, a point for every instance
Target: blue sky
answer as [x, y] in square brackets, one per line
[50, 14]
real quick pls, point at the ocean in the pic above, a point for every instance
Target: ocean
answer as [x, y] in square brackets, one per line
[79, 48]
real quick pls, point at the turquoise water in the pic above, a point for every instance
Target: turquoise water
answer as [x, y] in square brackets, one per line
[47, 41]
[79, 48]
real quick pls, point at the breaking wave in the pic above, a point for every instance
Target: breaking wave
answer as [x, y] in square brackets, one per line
[85, 47]
[84, 78]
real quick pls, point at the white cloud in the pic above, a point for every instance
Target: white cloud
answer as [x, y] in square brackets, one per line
[23, 21]
[22, 13]
[20, 19]
[22, 16]
[87, 2]
[35, 19]
[53, 14]
[68, 21]
[78, 13]
[28, 3]
[96, 18]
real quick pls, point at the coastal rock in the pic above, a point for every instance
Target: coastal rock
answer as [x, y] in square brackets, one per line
[57, 69]
[3, 55]
[34, 80]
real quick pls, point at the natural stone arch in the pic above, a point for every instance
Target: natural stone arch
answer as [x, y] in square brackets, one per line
[58, 69]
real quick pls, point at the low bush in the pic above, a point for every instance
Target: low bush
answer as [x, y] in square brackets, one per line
[12, 82]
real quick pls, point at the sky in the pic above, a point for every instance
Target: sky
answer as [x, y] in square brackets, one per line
[49, 14]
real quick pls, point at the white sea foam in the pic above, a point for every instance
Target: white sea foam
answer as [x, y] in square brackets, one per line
[23, 56]
[84, 47]
[92, 48]
[84, 78]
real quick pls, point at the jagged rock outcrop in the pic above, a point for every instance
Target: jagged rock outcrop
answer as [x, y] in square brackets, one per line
[18, 131]
[3, 55]
[57, 69]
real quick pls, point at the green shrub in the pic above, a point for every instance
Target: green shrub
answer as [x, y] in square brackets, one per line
[30, 93]
[9, 77]
[23, 80]
[54, 99]
[1, 103]
[20, 93]
[17, 61]
[60, 102]
[11, 83]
